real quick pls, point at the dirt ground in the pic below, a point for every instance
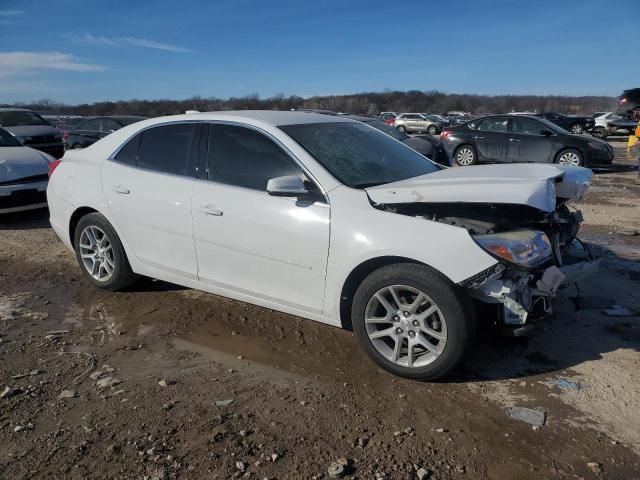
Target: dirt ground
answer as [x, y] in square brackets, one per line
[162, 382]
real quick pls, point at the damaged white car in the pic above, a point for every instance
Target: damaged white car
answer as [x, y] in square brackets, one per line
[325, 218]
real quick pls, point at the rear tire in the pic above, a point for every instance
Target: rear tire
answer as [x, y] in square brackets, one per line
[577, 129]
[100, 253]
[413, 343]
[570, 156]
[465, 155]
[402, 129]
[432, 130]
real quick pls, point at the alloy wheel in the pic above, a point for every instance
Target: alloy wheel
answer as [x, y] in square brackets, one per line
[96, 252]
[405, 326]
[569, 158]
[465, 156]
[577, 129]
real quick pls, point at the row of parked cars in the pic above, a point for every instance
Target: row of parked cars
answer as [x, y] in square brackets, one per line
[462, 141]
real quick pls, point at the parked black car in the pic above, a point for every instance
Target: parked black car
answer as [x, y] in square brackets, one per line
[519, 138]
[95, 128]
[423, 144]
[576, 125]
[32, 130]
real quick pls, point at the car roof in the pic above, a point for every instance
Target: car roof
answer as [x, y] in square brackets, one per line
[273, 117]
[12, 109]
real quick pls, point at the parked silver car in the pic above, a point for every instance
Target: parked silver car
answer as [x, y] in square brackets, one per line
[24, 175]
[416, 123]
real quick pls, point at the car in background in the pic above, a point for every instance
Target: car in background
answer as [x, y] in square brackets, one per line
[23, 175]
[32, 130]
[67, 124]
[93, 129]
[521, 139]
[576, 125]
[629, 104]
[325, 218]
[420, 145]
[416, 123]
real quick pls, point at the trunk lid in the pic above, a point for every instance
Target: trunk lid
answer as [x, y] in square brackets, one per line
[535, 185]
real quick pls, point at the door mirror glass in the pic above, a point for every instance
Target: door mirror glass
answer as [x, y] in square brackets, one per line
[287, 186]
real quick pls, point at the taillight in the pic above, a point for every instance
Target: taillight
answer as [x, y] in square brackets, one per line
[444, 134]
[65, 135]
[52, 166]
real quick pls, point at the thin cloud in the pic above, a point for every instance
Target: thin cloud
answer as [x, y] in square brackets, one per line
[101, 41]
[10, 13]
[17, 63]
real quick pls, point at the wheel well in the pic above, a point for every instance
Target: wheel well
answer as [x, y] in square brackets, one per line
[356, 277]
[75, 218]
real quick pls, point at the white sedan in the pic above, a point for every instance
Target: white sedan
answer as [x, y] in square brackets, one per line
[325, 218]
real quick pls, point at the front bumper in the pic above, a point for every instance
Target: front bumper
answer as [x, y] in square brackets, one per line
[528, 293]
[600, 157]
[23, 196]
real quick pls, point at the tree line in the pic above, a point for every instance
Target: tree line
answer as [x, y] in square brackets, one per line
[360, 103]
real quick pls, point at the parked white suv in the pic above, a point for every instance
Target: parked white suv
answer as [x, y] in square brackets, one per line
[325, 218]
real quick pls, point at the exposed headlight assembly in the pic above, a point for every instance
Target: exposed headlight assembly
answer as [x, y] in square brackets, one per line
[526, 248]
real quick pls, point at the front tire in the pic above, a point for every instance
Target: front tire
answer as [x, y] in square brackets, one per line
[402, 129]
[570, 156]
[413, 322]
[100, 253]
[465, 156]
[599, 132]
[432, 130]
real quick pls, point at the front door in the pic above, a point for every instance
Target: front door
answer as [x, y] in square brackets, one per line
[272, 248]
[527, 143]
[148, 189]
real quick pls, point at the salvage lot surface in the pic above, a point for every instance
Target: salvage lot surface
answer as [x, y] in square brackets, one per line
[303, 394]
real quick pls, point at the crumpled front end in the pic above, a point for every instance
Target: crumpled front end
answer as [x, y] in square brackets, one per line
[525, 295]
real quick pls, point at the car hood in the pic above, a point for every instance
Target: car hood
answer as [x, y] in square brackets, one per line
[536, 185]
[32, 130]
[21, 162]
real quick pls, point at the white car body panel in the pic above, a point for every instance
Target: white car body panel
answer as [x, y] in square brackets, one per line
[272, 251]
[269, 247]
[529, 184]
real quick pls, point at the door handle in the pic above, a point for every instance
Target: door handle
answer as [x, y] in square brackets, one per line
[210, 210]
[120, 189]
[478, 137]
[514, 139]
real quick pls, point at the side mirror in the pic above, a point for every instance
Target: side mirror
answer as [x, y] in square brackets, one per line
[546, 133]
[287, 186]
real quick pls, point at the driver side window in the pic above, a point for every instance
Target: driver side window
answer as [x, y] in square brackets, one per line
[243, 157]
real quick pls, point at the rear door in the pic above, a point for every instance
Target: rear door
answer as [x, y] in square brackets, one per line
[491, 139]
[148, 187]
[527, 143]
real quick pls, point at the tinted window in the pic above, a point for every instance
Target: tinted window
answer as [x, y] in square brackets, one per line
[389, 130]
[129, 153]
[166, 149]
[246, 158]
[526, 126]
[109, 125]
[90, 126]
[493, 124]
[7, 140]
[357, 155]
[18, 118]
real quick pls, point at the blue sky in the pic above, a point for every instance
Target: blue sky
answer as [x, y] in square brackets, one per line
[93, 50]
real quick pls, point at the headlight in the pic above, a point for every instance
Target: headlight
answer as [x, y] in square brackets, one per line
[598, 146]
[526, 248]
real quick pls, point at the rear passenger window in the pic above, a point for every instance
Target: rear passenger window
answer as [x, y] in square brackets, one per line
[493, 125]
[166, 148]
[246, 158]
[129, 153]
